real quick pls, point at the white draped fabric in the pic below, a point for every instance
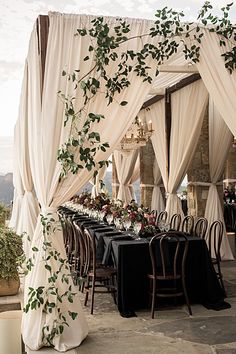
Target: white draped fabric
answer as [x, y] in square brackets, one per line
[125, 164]
[29, 208]
[220, 140]
[135, 177]
[188, 106]
[157, 198]
[47, 133]
[18, 187]
[96, 182]
[220, 84]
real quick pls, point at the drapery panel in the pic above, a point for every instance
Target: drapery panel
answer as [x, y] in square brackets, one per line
[125, 164]
[157, 198]
[188, 106]
[135, 177]
[47, 133]
[18, 187]
[29, 208]
[220, 84]
[220, 140]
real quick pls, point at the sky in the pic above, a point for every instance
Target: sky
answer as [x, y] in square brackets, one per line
[17, 19]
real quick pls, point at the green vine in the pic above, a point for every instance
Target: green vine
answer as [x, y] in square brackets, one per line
[81, 148]
[49, 296]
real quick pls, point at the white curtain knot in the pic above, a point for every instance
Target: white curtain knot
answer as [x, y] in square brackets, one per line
[48, 210]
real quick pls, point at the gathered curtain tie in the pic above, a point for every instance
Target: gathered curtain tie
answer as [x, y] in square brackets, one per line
[48, 210]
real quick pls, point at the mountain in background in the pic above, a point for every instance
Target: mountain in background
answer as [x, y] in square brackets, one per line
[6, 188]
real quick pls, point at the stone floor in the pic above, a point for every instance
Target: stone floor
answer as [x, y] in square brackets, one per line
[172, 330]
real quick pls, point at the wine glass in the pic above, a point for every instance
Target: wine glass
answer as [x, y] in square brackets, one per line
[127, 224]
[167, 227]
[137, 228]
[109, 218]
[161, 225]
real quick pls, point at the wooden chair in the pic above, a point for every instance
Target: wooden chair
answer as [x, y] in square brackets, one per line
[99, 279]
[168, 268]
[187, 224]
[214, 244]
[175, 222]
[200, 227]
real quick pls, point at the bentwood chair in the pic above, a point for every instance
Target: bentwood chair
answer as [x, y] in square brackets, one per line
[200, 227]
[168, 251]
[187, 224]
[214, 244]
[175, 222]
[98, 279]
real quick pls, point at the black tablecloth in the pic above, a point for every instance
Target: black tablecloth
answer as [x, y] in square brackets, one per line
[132, 260]
[133, 264]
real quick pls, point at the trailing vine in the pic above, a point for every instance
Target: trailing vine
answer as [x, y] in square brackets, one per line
[49, 297]
[81, 148]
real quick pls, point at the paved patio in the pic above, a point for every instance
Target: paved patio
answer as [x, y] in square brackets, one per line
[172, 331]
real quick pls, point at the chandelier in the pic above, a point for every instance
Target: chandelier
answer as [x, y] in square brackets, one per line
[137, 135]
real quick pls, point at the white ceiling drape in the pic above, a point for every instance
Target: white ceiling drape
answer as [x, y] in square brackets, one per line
[47, 133]
[188, 106]
[220, 84]
[220, 140]
[125, 165]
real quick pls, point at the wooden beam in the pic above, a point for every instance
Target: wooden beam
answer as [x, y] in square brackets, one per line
[152, 101]
[178, 69]
[183, 83]
[43, 29]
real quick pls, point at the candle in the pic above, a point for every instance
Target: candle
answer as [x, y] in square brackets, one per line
[150, 125]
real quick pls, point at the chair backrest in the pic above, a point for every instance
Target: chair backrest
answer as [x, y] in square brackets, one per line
[168, 251]
[215, 238]
[81, 247]
[90, 249]
[162, 216]
[200, 227]
[175, 222]
[187, 224]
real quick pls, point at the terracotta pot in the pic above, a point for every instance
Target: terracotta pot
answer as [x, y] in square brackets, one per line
[9, 287]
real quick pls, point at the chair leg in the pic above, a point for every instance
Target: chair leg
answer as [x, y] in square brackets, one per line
[221, 277]
[186, 297]
[87, 292]
[153, 297]
[93, 291]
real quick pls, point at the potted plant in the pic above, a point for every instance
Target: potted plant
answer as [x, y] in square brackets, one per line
[4, 214]
[11, 252]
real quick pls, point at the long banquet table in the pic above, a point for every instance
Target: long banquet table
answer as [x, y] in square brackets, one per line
[132, 260]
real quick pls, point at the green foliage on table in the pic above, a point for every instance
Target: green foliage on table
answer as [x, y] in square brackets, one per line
[11, 253]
